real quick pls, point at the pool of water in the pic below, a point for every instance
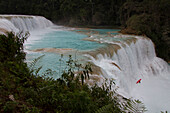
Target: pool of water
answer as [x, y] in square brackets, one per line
[65, 39]
[60, 38]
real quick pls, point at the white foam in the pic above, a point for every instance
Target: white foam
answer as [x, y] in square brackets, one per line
[23, 23]
[138, 61]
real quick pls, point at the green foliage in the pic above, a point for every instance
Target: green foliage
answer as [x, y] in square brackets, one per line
[32, 67]
[110, 108]
[73, 12]
[98, 18]
[11, 47]
[24, 90]
[76, 71]
[140, 23]
[150, 18]
[135, 106]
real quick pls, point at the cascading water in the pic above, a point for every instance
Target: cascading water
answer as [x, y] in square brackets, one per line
[23, 23]
[128, 61]
[6, 25]
[134, 60]
[126, 58]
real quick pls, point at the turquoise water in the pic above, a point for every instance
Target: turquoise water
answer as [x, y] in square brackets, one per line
[49, 61]
[61, 39]
[65, 39]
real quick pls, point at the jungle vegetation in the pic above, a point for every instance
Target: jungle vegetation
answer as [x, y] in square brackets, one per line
[22, 89]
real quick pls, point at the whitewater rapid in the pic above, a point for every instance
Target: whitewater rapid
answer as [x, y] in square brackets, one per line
[22, 23]
[136, 59]
[126, 59]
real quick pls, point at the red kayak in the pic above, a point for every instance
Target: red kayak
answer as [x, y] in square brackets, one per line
[138, 81]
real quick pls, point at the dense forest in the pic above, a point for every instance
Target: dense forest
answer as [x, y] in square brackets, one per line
[67, 11]
[142, 17]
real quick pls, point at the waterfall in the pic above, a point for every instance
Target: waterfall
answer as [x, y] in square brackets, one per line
[23, 23]
[6, 25]
[133, 60]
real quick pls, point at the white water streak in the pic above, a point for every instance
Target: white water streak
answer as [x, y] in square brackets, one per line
[23, 23]
[137, 60]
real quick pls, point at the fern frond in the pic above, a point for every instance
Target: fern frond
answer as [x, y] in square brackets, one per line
[110, 108]
[135, 106]
[32, 65]
[104, 109]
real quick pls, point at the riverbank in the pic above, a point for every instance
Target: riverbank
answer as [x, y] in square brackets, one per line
[88, 26]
